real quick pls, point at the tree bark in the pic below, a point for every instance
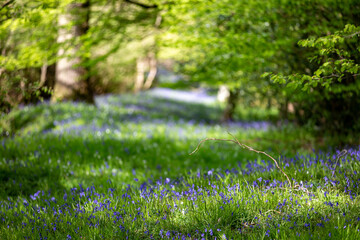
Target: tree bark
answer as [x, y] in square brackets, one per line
[140, 74]
[72, 80]
[230, 106]
[43, 74]
[152, 71]
[47, 80]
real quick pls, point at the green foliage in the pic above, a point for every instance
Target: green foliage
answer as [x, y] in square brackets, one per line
[332, 89]
[29, 33]
[235, 42]
[218, 44]
[337, 63]
[36, 22]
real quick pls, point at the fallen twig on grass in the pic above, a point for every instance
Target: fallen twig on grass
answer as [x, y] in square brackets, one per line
[235, 140]
[300, 188]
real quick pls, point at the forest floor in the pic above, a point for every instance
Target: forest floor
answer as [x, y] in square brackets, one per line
[122, 169]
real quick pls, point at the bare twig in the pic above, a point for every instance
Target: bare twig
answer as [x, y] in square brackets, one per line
[300, 188]
[210, 139]
[235, 140]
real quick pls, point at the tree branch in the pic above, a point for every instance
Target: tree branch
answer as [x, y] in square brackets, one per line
[352, 35]
[7, 3]
[141, 4]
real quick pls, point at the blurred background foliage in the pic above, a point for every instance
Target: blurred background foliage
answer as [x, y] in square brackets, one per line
[77, 49]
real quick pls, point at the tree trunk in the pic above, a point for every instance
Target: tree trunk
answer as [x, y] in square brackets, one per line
[72, 80]
[230, 106]
[47, 80]
[152, 71]
[43, 74]
[284, 109]
[140, 74]
[268, 105]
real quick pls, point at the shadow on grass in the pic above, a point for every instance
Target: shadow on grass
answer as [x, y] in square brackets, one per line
[51, 161]
[21, 180]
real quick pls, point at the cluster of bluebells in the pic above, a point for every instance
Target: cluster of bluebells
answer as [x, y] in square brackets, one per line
[157, 208]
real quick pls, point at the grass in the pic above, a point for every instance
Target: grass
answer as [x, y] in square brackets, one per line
[123, 170]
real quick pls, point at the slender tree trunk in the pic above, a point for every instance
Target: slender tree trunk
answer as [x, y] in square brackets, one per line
[43, 74]
[284, 110]
[72, 80]
[268, 105]
[140, 74]
[152, 71]
[228, 114]
[47, 79]
[83, 29]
